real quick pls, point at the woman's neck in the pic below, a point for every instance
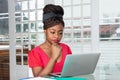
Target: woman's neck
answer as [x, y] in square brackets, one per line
[47, 44]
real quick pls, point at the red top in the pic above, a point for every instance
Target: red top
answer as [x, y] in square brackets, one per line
[37, 57]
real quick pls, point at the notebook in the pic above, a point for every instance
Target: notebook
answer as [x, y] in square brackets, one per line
[78, 64]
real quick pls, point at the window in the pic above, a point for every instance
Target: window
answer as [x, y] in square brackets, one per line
[82, 32]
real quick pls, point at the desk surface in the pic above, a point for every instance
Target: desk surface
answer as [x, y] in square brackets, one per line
[106, 72]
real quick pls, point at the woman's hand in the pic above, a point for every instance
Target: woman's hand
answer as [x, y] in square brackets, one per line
[56, 51]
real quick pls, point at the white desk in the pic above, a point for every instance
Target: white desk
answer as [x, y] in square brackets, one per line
[107, 72]
[111, 72]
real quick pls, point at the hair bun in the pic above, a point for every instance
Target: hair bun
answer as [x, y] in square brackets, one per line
[52, 15]
[53, 8]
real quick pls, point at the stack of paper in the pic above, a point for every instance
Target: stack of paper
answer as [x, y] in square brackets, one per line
[54, 78]
[37, 78]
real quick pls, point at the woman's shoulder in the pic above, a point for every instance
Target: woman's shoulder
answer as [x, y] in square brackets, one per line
[66, 48]
[35, 49]
[64, 45]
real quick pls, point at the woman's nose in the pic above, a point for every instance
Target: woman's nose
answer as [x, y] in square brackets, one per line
[56, 35]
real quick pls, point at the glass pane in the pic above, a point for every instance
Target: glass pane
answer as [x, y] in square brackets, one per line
[33, 36]
[117, 33]
[25, 49]
[40, 27]
[40, 38]
[18, 43]
[4, 27]
[77, 40]
[86, 11]
[76, 11]
[33, 27]
[66, 2]
[77, 34]
[25, 60]
[86, 42]
[39, 14]
[25, 27]
[18, 60]
[18, 17]
[58, 2]
[18, 28]
[86, 1]
[67, 24]
[32, 16]
[76, 24]
[40, 3]
[67, 40]
[25, 38]
[3, 6]
[67, 34]
[18, 6]
[87, 32]
[67, 11]
[86, 22]
[18, 38]
[18, 0]
[25, 16]
[32, 4]
[18, 49]
[76, 1]
[109, 31]
[24, 5]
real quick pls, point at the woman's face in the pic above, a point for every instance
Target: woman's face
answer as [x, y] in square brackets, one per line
[54, 34]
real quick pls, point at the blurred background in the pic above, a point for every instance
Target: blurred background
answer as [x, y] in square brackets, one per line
[90, 26]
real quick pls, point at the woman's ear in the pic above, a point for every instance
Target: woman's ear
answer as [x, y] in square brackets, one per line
[45, 31]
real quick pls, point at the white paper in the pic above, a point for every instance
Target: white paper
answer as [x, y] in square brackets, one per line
[37, 78]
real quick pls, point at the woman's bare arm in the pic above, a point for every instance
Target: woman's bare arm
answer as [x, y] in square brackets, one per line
[39, 71]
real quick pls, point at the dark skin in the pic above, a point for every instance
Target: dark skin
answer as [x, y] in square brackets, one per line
[52, 48]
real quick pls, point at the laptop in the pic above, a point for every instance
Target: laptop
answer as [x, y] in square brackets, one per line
[78, 64]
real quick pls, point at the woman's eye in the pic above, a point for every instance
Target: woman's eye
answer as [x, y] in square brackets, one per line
[53, 32]
[60, 33]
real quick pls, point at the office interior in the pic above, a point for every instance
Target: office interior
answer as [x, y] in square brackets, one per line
[91, 26]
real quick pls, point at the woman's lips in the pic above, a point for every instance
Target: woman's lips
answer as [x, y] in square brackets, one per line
[56, 40]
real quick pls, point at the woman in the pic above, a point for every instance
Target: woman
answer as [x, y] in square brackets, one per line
[49, 56]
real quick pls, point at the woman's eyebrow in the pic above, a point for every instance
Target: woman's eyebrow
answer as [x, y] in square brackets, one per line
[55, 30]
[52, 29]
[60, 30]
